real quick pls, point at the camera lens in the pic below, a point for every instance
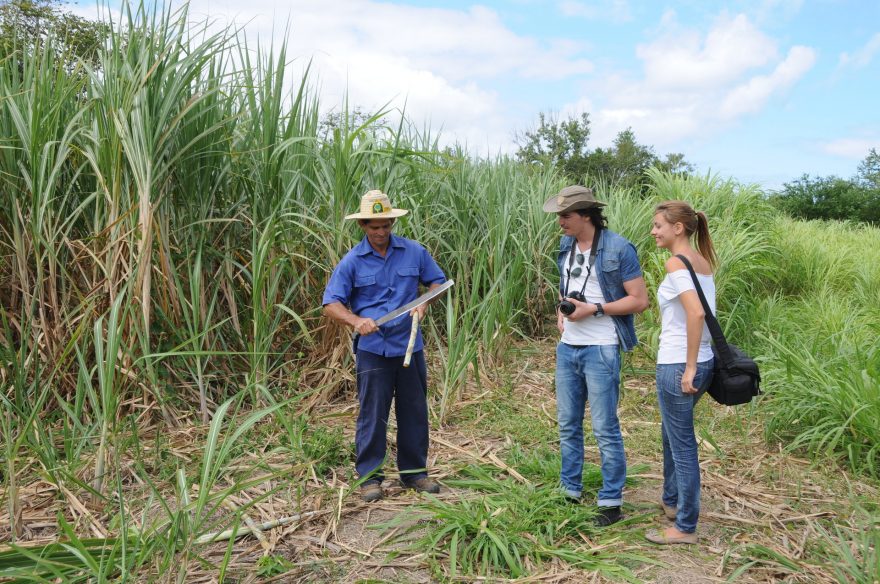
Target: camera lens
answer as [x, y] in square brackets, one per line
[566, 307]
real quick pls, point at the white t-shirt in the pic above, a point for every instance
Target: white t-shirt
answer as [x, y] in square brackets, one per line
[590, 330]
[673, 331]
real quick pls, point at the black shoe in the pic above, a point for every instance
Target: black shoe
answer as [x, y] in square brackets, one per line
[422, 485]
[608, 516]
[371, 491]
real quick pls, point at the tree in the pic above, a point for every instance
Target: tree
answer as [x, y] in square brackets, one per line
[832, 197]
[560, 143]
[564, 144]
[869, 170]
[26, 24]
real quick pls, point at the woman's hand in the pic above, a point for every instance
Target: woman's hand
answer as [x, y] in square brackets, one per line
[687, 380]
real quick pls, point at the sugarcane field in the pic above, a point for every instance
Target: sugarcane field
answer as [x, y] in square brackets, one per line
[256, 328]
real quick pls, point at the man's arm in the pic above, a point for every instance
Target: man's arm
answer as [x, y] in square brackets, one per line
[635, 301]
[421, 309]
[338, 312]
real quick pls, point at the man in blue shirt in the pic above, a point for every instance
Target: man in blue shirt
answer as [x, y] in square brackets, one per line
[601, 288]
[380, 274]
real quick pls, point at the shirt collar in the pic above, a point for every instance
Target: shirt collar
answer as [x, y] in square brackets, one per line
[364, 248]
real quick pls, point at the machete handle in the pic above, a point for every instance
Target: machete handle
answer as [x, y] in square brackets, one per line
[412, 339]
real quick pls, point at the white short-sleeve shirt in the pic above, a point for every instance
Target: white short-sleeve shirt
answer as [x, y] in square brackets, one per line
[591, 330]
[673, 331]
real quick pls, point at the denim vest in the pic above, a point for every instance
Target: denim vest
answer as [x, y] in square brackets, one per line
[616, 262]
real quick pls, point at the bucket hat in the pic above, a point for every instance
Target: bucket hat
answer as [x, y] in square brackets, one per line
[571, 199]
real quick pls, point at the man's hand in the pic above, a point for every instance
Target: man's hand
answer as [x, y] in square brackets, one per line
[560, 320]
[421, 310]
[581, 310]
[365, 326]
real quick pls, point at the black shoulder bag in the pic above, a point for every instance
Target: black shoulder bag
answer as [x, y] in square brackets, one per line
[735, 379]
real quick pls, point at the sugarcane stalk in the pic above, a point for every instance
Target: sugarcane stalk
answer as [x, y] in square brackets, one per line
[412, 339]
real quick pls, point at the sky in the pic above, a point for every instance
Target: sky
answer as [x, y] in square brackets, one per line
[760, 91]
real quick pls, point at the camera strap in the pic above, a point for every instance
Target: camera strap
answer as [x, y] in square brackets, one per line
[594, 249]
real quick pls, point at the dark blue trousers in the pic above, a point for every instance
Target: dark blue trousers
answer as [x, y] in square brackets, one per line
[379, 379]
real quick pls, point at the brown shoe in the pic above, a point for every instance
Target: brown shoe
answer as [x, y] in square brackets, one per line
[660, 537]
[422, 485]
[670, 512]
[371, 491]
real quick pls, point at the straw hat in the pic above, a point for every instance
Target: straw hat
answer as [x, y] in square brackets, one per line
[571, 199]
[377, 205]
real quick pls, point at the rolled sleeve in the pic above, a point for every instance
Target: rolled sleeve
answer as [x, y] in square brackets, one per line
[339, 287]
[629, 263]
[430, 272]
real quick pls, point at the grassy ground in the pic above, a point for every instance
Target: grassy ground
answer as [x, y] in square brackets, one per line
[767, 516]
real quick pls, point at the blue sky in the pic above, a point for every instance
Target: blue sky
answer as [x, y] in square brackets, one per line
[757, 90]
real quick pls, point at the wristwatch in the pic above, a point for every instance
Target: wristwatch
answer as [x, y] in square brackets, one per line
[599, 310]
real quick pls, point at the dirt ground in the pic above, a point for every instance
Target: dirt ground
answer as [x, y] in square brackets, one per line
[752, 497]
[762, 508]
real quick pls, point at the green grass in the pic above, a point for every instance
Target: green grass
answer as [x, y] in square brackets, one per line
[505, 528]
[168, 225]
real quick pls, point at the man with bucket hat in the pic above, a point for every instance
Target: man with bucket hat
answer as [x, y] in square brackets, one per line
[382, 273]
[600, 289]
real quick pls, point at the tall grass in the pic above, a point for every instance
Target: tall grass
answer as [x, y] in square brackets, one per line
[169, 221]
[820, 329]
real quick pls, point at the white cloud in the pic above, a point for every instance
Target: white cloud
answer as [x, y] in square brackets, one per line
[854, 148]
[863, 56]
[695, 83]
[752, 96]
[684, 58]
[438, 63]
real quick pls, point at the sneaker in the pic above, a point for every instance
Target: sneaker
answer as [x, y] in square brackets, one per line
[422, 485]
[371, 491]
[608, 516]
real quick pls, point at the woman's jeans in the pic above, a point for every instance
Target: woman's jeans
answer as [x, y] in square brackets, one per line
[681, 468]
[590, 374]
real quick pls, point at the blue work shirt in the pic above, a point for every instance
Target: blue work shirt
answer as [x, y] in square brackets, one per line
[372, 286]
[616, 262]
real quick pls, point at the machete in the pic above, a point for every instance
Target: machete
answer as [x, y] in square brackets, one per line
[429, 295]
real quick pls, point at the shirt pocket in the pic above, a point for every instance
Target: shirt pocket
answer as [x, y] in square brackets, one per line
[611, 265]
[611, 270]
[408, 281]
[408, 272]
[364, 281]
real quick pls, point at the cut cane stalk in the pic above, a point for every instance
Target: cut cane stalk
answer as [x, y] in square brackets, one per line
[412, 339]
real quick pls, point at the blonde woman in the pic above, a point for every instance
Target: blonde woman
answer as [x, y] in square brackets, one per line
[684, 361]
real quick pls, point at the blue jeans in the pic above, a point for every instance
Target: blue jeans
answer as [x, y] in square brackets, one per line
[681, 466]
[379, 380]
[590, 374]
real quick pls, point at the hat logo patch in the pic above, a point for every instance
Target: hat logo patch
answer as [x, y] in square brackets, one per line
[378, 208]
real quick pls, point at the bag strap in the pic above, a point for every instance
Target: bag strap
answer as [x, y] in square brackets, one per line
[712, 323]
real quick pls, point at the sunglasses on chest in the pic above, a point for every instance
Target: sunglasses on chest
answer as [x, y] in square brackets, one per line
[576, 271]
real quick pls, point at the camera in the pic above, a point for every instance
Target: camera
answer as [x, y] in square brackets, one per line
[566, 307]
